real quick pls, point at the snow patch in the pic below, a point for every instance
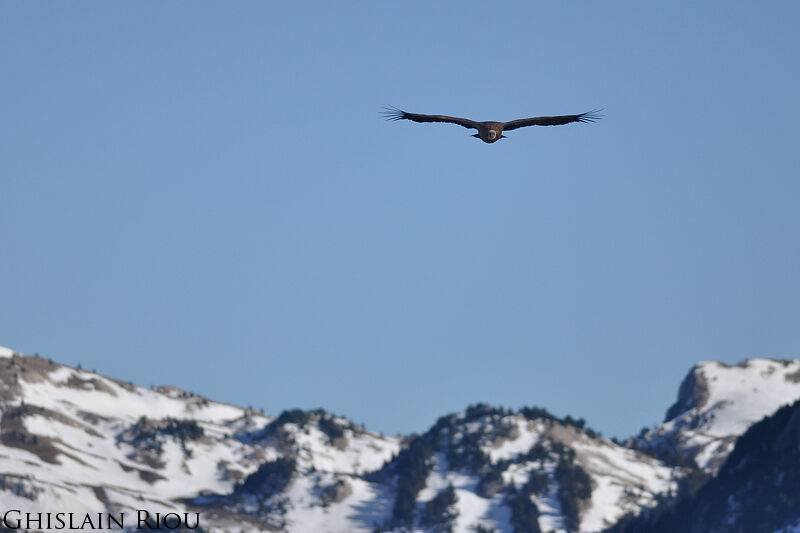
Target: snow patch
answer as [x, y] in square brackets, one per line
[7, 352]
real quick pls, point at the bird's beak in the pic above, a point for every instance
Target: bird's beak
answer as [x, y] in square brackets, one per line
[476, 135]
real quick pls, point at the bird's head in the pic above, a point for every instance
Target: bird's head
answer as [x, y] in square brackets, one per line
[490, 136]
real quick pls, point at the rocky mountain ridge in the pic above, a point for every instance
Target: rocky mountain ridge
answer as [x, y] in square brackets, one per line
[717, 403]
[73, 440]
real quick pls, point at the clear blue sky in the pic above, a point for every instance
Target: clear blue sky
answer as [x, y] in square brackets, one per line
[205, 195]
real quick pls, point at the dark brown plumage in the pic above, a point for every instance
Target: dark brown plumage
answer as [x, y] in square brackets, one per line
[490, 132]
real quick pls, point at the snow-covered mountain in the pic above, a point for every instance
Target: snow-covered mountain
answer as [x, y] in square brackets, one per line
[518, 471]
[717, 403]
[73, 441]
[757, 489]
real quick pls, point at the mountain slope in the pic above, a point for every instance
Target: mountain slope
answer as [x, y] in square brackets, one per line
[77, 441]
[757, 489]
[521, 471]
[717, 403]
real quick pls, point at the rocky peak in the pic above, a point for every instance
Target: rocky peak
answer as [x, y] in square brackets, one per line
[717, 403]
[692, 394]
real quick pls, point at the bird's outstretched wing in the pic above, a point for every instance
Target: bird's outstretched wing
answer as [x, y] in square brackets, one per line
[392, 113]
[590, 116]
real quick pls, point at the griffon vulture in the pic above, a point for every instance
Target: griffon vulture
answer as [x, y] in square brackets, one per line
[490, 132]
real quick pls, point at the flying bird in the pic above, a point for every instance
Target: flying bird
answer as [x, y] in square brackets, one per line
[490, 132]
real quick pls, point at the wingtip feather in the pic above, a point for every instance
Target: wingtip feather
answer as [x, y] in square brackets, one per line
[591, 116]
[393, 113]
